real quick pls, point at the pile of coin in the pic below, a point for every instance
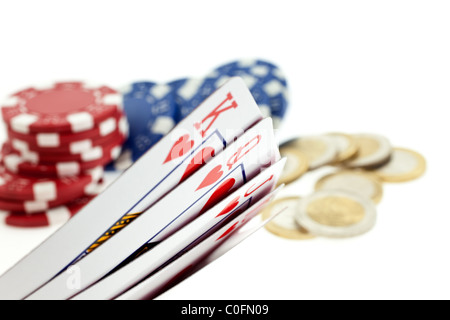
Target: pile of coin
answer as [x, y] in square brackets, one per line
[344, 202]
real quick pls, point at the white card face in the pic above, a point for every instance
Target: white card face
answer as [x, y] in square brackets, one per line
[187, 237]
[218, 244]
[215, 123]
[240, 162]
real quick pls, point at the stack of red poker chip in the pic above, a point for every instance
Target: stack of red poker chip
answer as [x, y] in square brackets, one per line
[60, 137]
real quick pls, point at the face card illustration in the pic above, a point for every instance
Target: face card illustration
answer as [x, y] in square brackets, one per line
[232, 168]
[228, 111]
[187, 237]
[201, 255]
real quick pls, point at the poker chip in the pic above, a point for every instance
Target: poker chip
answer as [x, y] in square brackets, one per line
[74, 147]
[190, 93]
[123, 162]
[94, 153]
[151, 110]
[21, 187]
[51, 217]
[266, 83]
[16, 164]
[62, 107]
[56, 140]
[60, 138]
[38, 206]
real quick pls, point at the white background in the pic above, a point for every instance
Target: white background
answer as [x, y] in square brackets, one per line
[352, 66]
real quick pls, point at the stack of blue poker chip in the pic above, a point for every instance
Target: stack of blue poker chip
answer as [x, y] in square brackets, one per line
[190, 93]
[154, 109]
[266, 83]
[151, 113]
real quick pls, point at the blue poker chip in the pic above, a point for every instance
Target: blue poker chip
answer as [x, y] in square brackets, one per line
[151, 113]
[266, 83]
[175, 86]
[154, 109]
[190, 93]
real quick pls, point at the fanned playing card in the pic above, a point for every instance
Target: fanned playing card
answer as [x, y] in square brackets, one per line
[173, 207]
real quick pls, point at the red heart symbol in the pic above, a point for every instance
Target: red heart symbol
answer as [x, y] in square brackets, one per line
[182, 146]
[230, 229]
[218, 194]
[233, 204]
[214, 175]
[199, 159]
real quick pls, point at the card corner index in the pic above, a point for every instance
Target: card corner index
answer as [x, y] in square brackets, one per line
[237, 84]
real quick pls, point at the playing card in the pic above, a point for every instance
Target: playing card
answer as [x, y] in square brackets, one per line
[215, 123]
[237, 164]
[187, 237]
[201, 255]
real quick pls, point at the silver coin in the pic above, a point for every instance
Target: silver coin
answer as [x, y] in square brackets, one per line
[405, 165]
[362, 183]
[373, 150]
[320, 150]
[346, 146]
[284, 225]
[336, 214]
[296, 165]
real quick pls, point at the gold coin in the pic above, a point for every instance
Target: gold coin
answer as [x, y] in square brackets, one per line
[367, 146]
[335, 211]
[405, 165]
[363, 183]
[336, 214]
[320, 150]
[284, 225]
[373, 150]
[346, 146]
[296, 165]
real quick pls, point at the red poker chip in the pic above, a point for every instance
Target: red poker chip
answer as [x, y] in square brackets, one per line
[69, 107]
[16, 164]
[51, 217]
[21, 187]
[33, 207]
[55, 140]
[73, 147]
[95, 153]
